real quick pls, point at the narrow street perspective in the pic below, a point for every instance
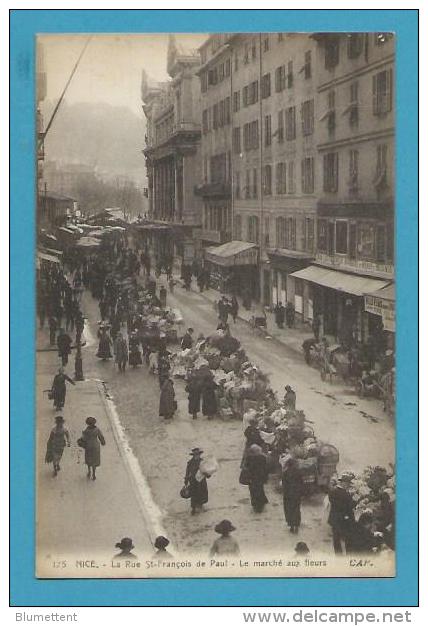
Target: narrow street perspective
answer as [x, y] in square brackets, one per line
[215, 344]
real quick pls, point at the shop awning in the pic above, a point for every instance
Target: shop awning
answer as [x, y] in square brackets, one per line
[232, 253]
[348, 283]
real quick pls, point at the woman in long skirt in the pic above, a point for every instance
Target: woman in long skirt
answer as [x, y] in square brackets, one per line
[198, 488]
[292, 489]
[167, 402]
[256, 465]
[134, 350]
[58, 389]
[104, 345]
[92, 437]
[58, 439]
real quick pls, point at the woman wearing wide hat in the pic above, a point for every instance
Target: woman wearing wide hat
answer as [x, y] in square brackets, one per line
[125, 546]
[225, 544]
[197, 484]
[92, 438]
[58, 439]
[162, 553]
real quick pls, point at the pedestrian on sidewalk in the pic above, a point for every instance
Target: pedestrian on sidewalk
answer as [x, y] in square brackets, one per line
[292, 490]
[279, 312]
[234, 308]
[63, 342]
[92, 437]
[341, 517]
[59, 438]
[290, 314]
[256, 466]
[80, 325]
[167, 401]
[225, 544]
[58, 389]
[289, 399]
[125, 546]
[53, 327]
[193, 389]
[161, 553]
[196, 482]
[121, 352]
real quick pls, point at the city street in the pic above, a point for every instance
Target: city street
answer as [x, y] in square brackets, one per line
[357, 427]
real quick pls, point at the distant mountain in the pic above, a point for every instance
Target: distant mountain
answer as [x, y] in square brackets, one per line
[107, 138]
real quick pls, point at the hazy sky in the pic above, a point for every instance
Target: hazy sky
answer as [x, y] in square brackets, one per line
[110, 70]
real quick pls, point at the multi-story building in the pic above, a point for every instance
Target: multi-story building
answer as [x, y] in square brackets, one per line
[173, 161]
[259, 153]
[355, 172]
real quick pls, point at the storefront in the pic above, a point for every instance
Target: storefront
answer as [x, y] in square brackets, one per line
[233, 268]
[338, 298]
[282, 264]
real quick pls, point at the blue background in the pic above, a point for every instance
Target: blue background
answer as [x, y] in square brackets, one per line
[25, 589]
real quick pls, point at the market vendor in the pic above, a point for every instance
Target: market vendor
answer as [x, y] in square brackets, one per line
[187, 341]
[290, 398]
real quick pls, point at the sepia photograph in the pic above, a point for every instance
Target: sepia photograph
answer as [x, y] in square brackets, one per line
[215, 305]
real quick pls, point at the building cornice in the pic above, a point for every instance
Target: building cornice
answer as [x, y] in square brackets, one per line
[356, 73]
[346, 141]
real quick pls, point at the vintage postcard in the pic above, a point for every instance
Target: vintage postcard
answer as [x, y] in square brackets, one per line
[215, 347]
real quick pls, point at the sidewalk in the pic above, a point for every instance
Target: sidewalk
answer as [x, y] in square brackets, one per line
[77, 517]
[290, 337]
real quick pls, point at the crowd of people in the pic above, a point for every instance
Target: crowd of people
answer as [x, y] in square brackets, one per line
[125, 334]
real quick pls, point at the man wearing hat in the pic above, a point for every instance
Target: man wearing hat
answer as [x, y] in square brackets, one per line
[125, 546]
[341, 517]
[162, 553]
[225, 544]
[198, 489]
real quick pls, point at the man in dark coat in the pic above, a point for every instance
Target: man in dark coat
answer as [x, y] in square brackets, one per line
[279, 315]
[292, 490]
[64, 346]
[209, 400]
[198, 488]
[341, 517]
[187, 341]
[193, 389]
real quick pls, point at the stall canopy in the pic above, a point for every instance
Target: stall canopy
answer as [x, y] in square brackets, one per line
[232, 253]
[43, 256]
[348, 283]
[88, 242]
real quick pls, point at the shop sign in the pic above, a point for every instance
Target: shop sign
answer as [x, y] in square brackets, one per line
[373, 305]
[388, 320]
[384, 308]
[354, 264]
